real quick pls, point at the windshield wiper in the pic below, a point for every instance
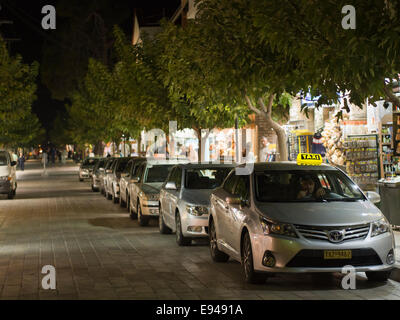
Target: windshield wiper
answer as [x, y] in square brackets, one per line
[344, 199]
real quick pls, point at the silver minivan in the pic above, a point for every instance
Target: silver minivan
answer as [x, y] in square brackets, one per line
[185, 199]
[284, 217]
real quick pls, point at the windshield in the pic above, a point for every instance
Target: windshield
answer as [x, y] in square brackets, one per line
[158, 173]
[3, 159]
[305, 186]
[205, 178]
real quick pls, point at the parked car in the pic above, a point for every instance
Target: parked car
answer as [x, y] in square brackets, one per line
[285, 217]
[86, 168]
[114, 177]
[107, 178]
[8, 177]
[99, 166]
[185, 199]
[144, 191]
[126, 176]
[102, 175]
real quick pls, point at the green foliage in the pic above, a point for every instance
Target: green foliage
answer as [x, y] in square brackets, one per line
[18, 125]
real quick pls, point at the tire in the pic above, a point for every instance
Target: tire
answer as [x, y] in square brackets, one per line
[132, 214]
[181, 240]
[162, 226]
[80, 180]
[143, 221]
[11, 194]
[113, 197]
[108, 195]
[378, 276]
[247, 262]
[216, 254]
[122, 203]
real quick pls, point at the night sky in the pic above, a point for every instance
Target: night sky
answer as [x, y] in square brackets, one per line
[27, 17]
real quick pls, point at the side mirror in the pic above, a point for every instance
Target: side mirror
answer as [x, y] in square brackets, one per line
[13, 163]
[108, 171]
[170, 186]
[373, 197]
[134, 180]
[234, 200]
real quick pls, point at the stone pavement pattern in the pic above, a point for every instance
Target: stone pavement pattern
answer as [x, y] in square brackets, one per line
[99, 253]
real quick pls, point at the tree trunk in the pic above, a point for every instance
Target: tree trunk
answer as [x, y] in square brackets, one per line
[199, 151]
[280, 132]
[266, 112]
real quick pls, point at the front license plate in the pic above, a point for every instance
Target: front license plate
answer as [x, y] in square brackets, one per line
[337, 254]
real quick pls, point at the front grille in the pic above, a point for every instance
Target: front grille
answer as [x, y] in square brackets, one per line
[315, 259]
[358, 232]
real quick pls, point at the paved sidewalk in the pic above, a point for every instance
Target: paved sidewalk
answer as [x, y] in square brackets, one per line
[100, 253]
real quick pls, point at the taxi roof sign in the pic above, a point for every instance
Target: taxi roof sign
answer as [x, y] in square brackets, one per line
[309, 159]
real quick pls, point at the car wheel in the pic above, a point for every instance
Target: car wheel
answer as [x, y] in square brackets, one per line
[93, 188]
[113, 197]
[11, 194]
[122, 203]
[108, 195]
[216, 254]
[181, 240]
[163, 227]
[247, 262]
[132, 214]
[378, 276]
[80, 179]
[143, 221]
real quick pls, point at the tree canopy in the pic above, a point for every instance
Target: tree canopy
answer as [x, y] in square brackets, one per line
[18, 125]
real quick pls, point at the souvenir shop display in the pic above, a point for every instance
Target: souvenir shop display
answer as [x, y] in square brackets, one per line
[332, 141]
[362, 160]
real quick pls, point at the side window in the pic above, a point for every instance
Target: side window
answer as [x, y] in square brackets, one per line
[128, 168]
[140, 170]
[242, 188]
[230, 182]
[171, 175]
[178, 177]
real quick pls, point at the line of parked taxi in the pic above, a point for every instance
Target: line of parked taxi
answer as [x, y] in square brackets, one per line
[276, 217]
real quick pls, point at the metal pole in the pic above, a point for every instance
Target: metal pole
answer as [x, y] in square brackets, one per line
[237, 138]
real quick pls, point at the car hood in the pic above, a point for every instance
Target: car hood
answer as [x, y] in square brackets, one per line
[197, 196]
[151, 187]
[322, 213]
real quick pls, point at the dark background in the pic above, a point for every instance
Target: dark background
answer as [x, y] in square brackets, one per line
[32, 41]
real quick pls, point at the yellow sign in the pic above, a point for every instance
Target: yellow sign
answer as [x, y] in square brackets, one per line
[337, 254]
[309, 159]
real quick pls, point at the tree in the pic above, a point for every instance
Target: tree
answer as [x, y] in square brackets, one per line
[18, 125]
[354, 62]
[149, 87]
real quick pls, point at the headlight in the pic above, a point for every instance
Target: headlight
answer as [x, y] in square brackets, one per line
[282, 229]
[152, 197]
[85, 171]
[196, 210]
[379, 227]
[5, 178]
